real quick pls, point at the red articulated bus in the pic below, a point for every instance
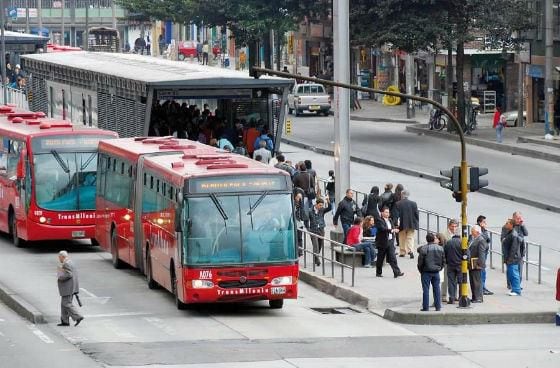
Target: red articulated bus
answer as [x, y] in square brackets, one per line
[207, 225]
[48, 171]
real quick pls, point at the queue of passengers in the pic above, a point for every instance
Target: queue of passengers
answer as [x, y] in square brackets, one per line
[188, 121]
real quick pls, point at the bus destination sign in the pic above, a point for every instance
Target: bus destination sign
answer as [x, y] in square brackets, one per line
[248, 183]
[67, 143]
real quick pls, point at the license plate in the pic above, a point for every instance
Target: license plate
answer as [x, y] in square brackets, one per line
[278, 290]
[314, 107]
[78, 234]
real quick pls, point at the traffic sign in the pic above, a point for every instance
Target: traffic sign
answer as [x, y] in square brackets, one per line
[288, 126]
[12, 12]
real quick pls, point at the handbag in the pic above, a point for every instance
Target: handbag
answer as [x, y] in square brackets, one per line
[474, 263]
[311, 191]
[364, 208]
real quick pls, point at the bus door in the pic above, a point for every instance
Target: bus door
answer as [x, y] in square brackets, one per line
[136, 227]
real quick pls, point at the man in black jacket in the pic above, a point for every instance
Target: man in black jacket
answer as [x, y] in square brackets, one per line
[408, 224]
[385, 243]
[430, 262]
[453, 257]
[512, 256]
[305, 181]
[316, 216]
[346, 210]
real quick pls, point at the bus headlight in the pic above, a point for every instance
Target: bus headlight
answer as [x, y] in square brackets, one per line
[202, 284]
[282, 280]
[42, 219]
[126, 217]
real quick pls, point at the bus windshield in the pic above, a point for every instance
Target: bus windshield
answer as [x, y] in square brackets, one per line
[65, 181]
[232, 229]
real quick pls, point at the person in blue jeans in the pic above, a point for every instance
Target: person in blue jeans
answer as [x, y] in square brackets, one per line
[500, 129]
[430, 263]
[354, 239]
[512, 255]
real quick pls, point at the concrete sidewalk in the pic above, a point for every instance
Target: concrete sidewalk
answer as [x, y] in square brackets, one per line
[400, 299]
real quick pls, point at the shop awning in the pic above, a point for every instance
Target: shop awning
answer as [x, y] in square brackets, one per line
[487, 60]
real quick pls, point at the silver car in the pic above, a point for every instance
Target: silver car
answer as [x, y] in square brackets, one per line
[511, 118]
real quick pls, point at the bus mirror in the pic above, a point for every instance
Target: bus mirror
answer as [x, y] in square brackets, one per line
[178, 213]
[20, 172]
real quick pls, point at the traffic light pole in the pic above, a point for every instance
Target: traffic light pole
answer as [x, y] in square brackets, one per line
[464, 301]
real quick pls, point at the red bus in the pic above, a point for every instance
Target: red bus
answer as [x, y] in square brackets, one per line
[48, 171]
[207, 225]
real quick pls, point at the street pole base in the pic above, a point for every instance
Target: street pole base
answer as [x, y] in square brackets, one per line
[464, 302]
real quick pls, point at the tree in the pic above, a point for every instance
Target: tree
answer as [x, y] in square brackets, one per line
[414, 25]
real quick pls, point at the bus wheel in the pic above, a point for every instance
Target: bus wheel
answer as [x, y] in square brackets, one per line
[276, 303]
[149, 278]
[180, 305]
[115, 250]
[18, 242]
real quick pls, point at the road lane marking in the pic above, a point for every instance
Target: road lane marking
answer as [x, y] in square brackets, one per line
[123, 314]
[94, 298]
[160, 324]
[40, 334]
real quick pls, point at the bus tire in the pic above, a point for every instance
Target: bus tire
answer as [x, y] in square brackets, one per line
[115, 250]
[18, 242]
[178, 303]
[152, 284]
[276, 303]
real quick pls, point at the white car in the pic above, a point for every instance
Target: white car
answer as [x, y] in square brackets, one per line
[511, 118]
[309, 97]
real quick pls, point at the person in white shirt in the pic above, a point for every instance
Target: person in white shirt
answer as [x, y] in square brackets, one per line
[263, 152]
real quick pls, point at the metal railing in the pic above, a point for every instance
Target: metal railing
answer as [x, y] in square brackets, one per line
[431, 221]
[326, 258]
[15, 97]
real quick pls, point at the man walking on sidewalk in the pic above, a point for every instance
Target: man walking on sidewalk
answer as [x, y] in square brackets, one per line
[408, 223]
[385, 241]
[67, 286]
[430, 262]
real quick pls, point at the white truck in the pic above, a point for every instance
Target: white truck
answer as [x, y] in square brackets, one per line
[309, 97]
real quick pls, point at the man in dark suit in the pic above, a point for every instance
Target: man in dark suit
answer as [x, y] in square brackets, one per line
[478, 250]
[67, 286]
[408, 224]
[385, 243]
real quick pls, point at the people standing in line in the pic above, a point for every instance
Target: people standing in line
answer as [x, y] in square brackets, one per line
[302, 218]
[522, 232]
[477, 250]
[430, 263]
[305, 181]
[347, 209]
[453, 257]
[331, 190]
[264, 137]
[317, 225]
[68, 286]
[449, 233]
[282, 165]
[481, 221]
[408, 224]
[512, 255]
[371, 201]
[385, 243]
[263, 153]
[387, 198]
[205, 52]
[355, 240]
[250, 136]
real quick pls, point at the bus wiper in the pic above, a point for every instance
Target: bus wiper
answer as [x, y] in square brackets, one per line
[218, 206]
[60, 161]
[254, 207]
[90, 159]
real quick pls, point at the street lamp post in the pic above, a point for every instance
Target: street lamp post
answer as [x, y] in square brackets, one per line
[464, 301]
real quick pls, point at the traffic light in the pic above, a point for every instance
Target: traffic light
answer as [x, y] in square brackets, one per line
[475, 181]
[454, 182]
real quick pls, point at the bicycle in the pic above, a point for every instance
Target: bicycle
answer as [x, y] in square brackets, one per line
[471, 123]
[438, 120]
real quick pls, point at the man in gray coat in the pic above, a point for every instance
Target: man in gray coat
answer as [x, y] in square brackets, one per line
[67, 286]
[408, 224]
[478, 250]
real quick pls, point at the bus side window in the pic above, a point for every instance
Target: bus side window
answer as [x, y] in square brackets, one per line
[4, 142]
[13, 157]
[102, 173]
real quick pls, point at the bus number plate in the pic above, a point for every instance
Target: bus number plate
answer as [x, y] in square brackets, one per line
[78, 234]
[278, 290]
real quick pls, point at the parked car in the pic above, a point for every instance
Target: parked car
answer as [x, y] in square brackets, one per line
[309, 97]
[187, 49]
[511, 118]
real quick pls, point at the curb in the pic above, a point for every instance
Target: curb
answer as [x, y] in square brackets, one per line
[436, 318]
[542, 142]
[514, 150]
[383, 120]
[420, 174]
[20, 306]
[326, 286]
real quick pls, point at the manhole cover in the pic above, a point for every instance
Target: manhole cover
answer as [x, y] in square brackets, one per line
[342, 310]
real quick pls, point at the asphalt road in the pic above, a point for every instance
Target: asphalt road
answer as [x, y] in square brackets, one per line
[129, 325]
[389, 143]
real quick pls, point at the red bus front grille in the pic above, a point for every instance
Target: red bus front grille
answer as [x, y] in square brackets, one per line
[238, 284]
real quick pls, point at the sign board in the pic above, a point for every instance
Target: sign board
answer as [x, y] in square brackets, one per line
[12, 13]
[288, 127]
[21, 13]
[57, 4]
[525, 53]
